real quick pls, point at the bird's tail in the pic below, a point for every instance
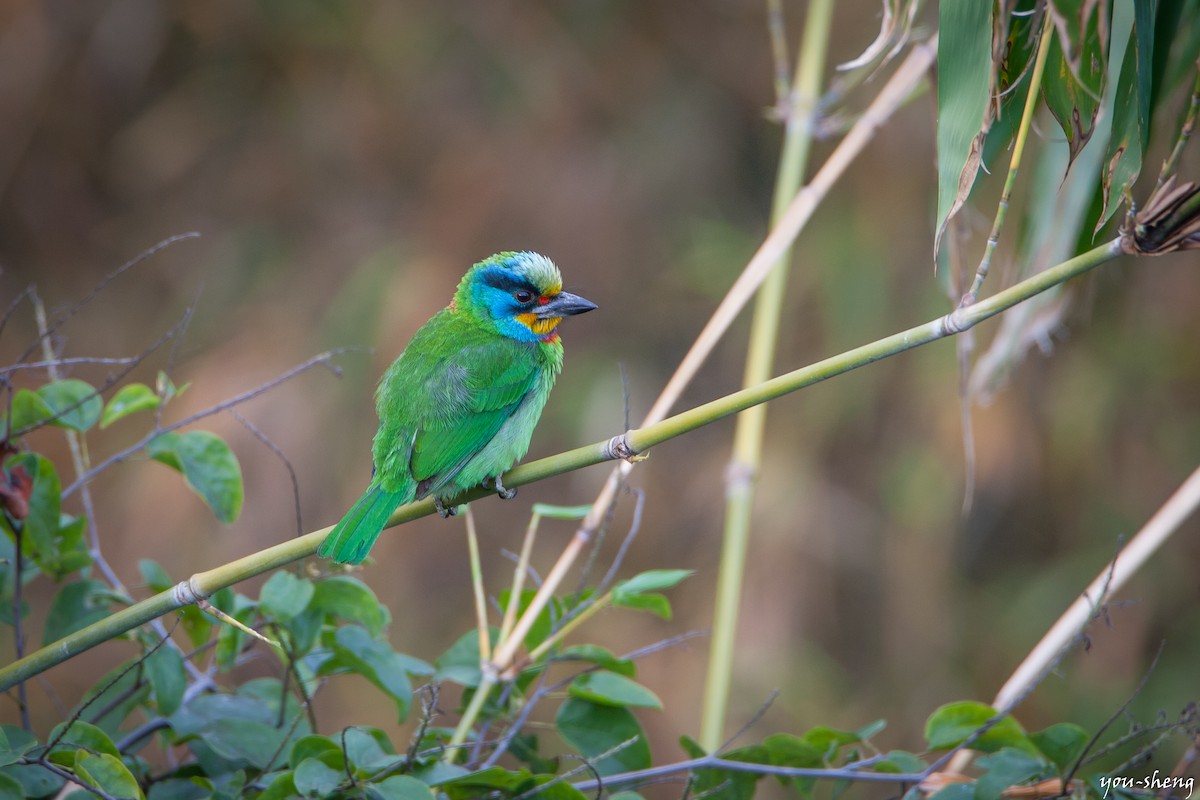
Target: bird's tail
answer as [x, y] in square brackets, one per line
[351, 539]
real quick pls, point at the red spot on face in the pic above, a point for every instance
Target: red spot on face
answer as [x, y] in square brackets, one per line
[543, 299]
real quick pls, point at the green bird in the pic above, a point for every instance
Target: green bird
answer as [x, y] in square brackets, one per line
[459, 406]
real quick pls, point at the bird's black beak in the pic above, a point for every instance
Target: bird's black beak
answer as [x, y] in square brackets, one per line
[564, 304]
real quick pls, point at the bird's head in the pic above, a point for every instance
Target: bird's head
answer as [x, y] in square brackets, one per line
[520, 295]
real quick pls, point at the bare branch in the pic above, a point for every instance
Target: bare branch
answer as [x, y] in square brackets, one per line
[322, 359]
[65, 316]
[274, 448]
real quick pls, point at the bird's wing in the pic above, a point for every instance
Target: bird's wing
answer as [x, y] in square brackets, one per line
[471, 397]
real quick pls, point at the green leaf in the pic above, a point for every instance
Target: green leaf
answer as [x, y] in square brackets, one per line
[243, 741]
[399, 787]
[281, 788]
[311, 746]
[829, 740]
[964, 91]
[484, 781]
[1009, 767]
[953, 723]
[1062, 743]
[181, 789]
[369, 749]
[559, 791]
[601, 657]
[593, 729]
[460, 663]
[208, 465]
[788, 750]
[350, 599]
[376, 661]
[76, 606]
[639, 591]
[80, 736]
[611, 689]
[651, 581]
[28, 410]
[108, 773]
[284, 595]
[73, 403]
[35, 781]
[129, 399]
[314, 779]
[900, 761]
[726, 784]
[524, 747]
[154, 576]
[164, 668]
[11, 788]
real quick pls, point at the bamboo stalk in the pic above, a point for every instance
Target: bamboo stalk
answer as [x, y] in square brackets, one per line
[760, 359]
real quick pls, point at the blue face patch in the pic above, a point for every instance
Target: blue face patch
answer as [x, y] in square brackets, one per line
[495, 291]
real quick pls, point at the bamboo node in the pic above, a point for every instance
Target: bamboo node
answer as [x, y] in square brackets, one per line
[186, 593]
[619, 447]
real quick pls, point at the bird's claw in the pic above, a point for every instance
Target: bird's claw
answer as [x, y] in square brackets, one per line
[505, 494]
[444, 511]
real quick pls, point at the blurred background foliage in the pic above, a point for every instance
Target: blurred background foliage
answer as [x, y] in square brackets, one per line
[345, 163]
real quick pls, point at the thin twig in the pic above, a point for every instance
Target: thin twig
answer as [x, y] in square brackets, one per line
[750, 723]
[287, 464]
[136, 664]
[587, 766]
[1185, 133]
[322, 359]
[68, 362]
[62, 318]
[12, 307]
[1115, 715]
[716, 762]
[111, 381]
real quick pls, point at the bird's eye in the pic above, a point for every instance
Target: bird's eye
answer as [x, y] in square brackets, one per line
[522, 296]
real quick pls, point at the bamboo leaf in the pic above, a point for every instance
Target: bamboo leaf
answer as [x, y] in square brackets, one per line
[964, 91]
[1075, 73]
[1131, 111]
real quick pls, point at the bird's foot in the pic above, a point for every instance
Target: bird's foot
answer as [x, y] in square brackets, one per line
[505, 494]
[444, 511]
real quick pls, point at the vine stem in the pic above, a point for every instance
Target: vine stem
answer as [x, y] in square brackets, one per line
[627, 445]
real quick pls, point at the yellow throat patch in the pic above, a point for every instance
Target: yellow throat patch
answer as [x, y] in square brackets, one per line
[541, 327]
